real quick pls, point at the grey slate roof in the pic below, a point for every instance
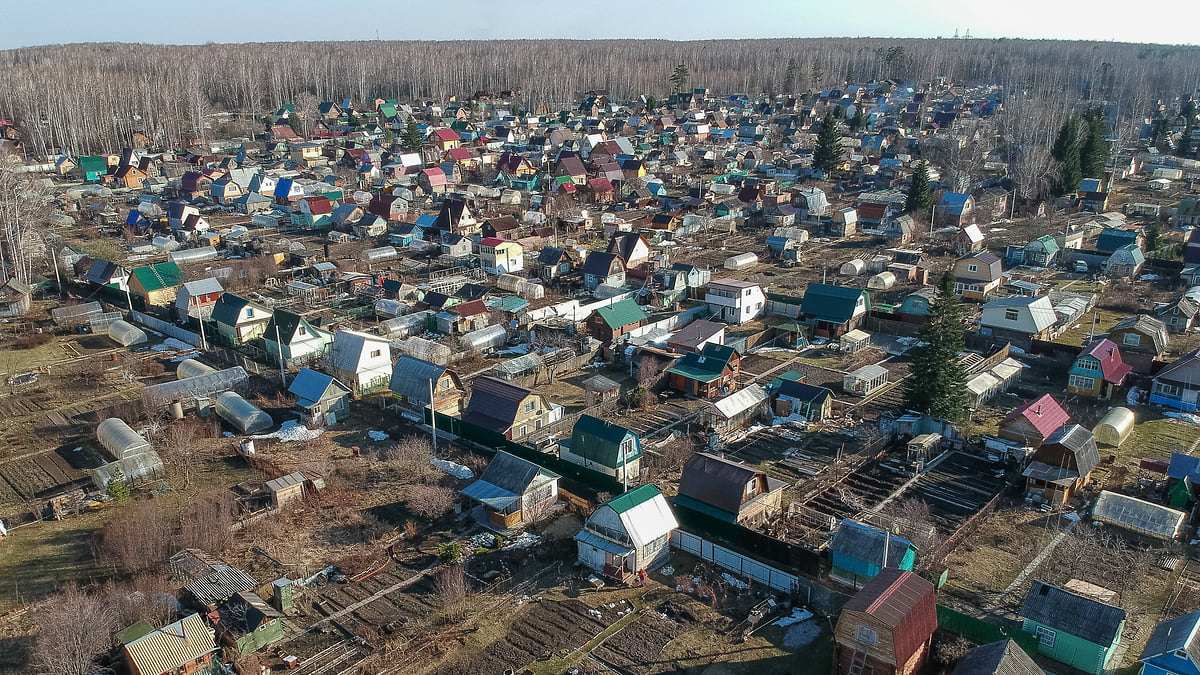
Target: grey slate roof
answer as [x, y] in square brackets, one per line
[1080, 441]
[411, 377]
[998, 658]
[493, 403]
[865, 543]
[1074, 614]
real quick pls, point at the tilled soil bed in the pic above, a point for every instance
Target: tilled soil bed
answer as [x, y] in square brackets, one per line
[638, 647]
[543, 629]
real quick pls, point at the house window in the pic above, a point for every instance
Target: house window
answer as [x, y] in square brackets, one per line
[1081, 382]
[867, 636]
[972, 268]
[1166, 389]
[751, 488]
[302, 331]
[375, 353]
[249, 312]
[529, 405]
[626, 448]
[444, 384]
[1088, 364]
[1011, 314]
[522, 431]
[1131, 339]
[1045, 636]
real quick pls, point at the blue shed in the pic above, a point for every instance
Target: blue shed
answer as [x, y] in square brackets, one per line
[857, 553]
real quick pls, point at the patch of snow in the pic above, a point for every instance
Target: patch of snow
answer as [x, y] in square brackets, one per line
[227, 434]
[483, 540]
[292, 431]
[378, 435]
[1072, 516]
[734, 581]
[1149, 277]
[185, 357]
[521, 541]
[798, 615]
[172, 345]
[457, 470]
[1183, 417]
[1133, 396]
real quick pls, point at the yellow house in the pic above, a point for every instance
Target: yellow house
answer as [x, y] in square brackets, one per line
[501, 256]
[509, 409]
[156, 284]
[305, 152]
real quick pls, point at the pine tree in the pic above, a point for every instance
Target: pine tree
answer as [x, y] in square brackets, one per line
[920, 195]
[1153, 237]
[839, 113]
[1068, 137]
[791, 76]
[679, 78]
[412, 140]
[859, 120]
[651, 103]
[828, 153]
[936, 384]
[1093, 154]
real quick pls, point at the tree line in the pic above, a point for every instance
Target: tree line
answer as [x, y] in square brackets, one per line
[84, 98]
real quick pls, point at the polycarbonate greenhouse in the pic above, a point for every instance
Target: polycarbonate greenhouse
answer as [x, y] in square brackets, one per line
[74, 315]
[165, 243]
[193, 255]
[527, 364]
[242, 414]
[192, 368]
[484, 339]
[391, 308]
[120, 439]
[374, 255]
[126, 334]
[136, 468]
[160, 396]
[426, 350]
[404, 326]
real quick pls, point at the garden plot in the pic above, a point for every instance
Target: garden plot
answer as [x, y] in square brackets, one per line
[31, 476]
[957, 488]
[404, 610]
[794, 455]
[638, 647]
[542, 630]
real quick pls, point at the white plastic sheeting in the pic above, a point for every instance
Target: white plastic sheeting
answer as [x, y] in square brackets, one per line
[193, 255]
[242, 414]
[1114, 427]
[853, 268]
[120, 439]
[882, 281]
[126, 334]
[192, 368]
[136, 468]
[426, 350]
[75, 314]
[741, 261]
[484, 339]
[159, 396]
[403, 326]
[380, 254]
[165, 243]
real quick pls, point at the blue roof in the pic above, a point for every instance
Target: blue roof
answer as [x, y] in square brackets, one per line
[283, 188]
[427, 220]
[310, 386]
[489, 495]
[1184, 466]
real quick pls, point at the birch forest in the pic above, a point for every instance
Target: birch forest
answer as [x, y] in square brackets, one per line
[85, 98]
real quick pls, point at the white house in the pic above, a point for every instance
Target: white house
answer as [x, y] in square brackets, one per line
[1019, 318]
[500, 256]
[361, 361]
[628, 534]
[735, 302]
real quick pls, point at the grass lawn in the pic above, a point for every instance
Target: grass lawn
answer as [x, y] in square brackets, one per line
[37, 558]
[1078, 332]
[1156, 438]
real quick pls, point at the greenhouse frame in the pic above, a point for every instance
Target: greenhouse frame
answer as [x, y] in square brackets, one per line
[120, 439]
[160, 396]
[126, 334]
[74, 315]
[192, 368]
[193, 255]
[484, 339]
[242, 414]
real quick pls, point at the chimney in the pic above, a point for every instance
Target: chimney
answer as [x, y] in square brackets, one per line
[1038, 412]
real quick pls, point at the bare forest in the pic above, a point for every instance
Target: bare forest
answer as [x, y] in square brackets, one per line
[84, 98]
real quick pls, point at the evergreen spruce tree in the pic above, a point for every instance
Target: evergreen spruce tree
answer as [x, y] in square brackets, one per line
[839, 113]
[1093, 154]
[859, 120]
[920, 195]
[1153, 237]
[828, 153]
[1066, 151]
[791, 76]
[412, 140]
[1186, 147]
[936, 384]
[118, 489]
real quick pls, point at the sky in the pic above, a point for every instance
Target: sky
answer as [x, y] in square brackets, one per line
[174, 22]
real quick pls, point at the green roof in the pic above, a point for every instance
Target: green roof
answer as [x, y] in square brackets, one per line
[831, 303]
[1048, 243]
[621, 313]
[598, 441]
[227, 309]
[158, 276]
[93, 164]
[633, 498]
[138, 630]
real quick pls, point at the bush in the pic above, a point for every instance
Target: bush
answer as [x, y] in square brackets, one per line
[32, 341]
[450, 552]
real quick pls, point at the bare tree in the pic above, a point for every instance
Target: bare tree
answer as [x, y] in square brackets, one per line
[453, 590]
[137, 538]
[307, 106]
[430, 502]
[208, 524]
[75, 629]
[409, 459]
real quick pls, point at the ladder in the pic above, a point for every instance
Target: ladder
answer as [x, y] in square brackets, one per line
[857, 662]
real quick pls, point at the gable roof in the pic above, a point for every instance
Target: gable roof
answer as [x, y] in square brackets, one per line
[228, 309]
[505, 479]
[717, 482]
[1071, 613]
[865, 543]
[411, 377]
[1111, 365]
[1184, 370]
[1045, 414]
[310, 386]
[599, 264]
[645, 514]
[1176, 635]
[1080, 442]
[696, 332]
[158, 276]
[494, 402]
[804, 392]
[172, 646]
[998, 658]
[599, 441]
[902, 601]
[705, 365]
[621, 313]
[346, 352]
[828, 302]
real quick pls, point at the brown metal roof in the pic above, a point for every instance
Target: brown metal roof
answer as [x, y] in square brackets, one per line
[902, 601]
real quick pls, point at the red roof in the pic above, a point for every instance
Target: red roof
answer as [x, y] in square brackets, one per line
[1105, 351]
[491, 241]
[472, 308]
[318, 206]
[436, 176]
[447, 134]
[459, 154]
[1045, 414]
[902, 601]
[600, 185]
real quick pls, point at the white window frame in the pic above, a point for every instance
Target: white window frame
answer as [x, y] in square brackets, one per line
[972, 268]
[1046, 636]
[867, 636]
[1011, 314]
[1081, 382]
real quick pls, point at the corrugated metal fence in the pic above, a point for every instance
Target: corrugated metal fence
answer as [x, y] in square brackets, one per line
[167, 328]
[735, 562]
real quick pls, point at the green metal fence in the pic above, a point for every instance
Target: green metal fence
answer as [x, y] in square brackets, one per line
[982, 632]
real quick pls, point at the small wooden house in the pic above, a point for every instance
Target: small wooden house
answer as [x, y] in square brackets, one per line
[321, 399]
[512, 491]
[887, 627]
[1032, 422]
[1062, 464]
[1072, 628]
[729, 491]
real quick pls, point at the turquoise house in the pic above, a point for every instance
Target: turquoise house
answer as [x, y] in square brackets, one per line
[1071, 628]
[857, 551]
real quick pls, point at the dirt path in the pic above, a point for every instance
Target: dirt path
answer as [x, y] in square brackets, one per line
[1031, 567]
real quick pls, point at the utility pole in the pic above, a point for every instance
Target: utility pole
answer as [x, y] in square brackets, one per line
[279, 347]
[432, 414]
